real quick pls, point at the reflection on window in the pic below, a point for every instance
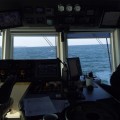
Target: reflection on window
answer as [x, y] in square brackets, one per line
[42, 47]
[0, 46]
[93, 56]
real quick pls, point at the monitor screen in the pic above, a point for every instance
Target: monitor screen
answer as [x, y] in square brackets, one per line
[74, 68]
[21, 68]
[10, 19]
[5, 67]
[47, 70]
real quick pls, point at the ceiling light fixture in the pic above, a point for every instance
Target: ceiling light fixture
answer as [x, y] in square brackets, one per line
[60, 8]
[77, 8]
[69, 8]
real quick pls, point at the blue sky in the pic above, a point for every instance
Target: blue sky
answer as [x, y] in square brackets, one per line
[40, 41]
[86, 41]
[33, 41]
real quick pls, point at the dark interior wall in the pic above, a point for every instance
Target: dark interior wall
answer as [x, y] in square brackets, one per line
[91, 14]
[106, 4]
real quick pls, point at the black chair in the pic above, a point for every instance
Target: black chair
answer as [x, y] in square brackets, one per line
[5, 91]
[114, 87]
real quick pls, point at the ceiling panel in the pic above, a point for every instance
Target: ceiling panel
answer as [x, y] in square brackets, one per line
[92, 13]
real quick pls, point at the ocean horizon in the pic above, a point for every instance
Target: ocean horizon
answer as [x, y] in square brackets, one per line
[92, 57]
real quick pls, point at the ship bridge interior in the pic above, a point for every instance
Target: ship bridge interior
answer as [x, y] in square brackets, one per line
[62, 14]
[62, 18]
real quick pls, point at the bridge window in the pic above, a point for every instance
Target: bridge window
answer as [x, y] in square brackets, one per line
[34, 47]
[93, 54]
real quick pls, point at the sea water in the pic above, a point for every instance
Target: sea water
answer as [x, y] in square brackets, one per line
[92, 57]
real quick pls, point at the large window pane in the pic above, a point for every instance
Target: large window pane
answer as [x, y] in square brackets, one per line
[35, 47]
[93, 54]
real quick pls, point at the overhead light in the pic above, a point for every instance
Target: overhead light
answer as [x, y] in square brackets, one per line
[60, 8]
[77, 8]
[69, 8]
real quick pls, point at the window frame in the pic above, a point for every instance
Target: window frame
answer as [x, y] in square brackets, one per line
[34, 34]
[71, 35]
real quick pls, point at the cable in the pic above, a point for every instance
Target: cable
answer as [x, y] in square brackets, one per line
[100, 43]
[48, 41]
[109, 54]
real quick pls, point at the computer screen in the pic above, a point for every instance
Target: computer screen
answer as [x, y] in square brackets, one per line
[23, 69]
[74, 68]
[5, 67]
[47, 70]
[10, 19]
